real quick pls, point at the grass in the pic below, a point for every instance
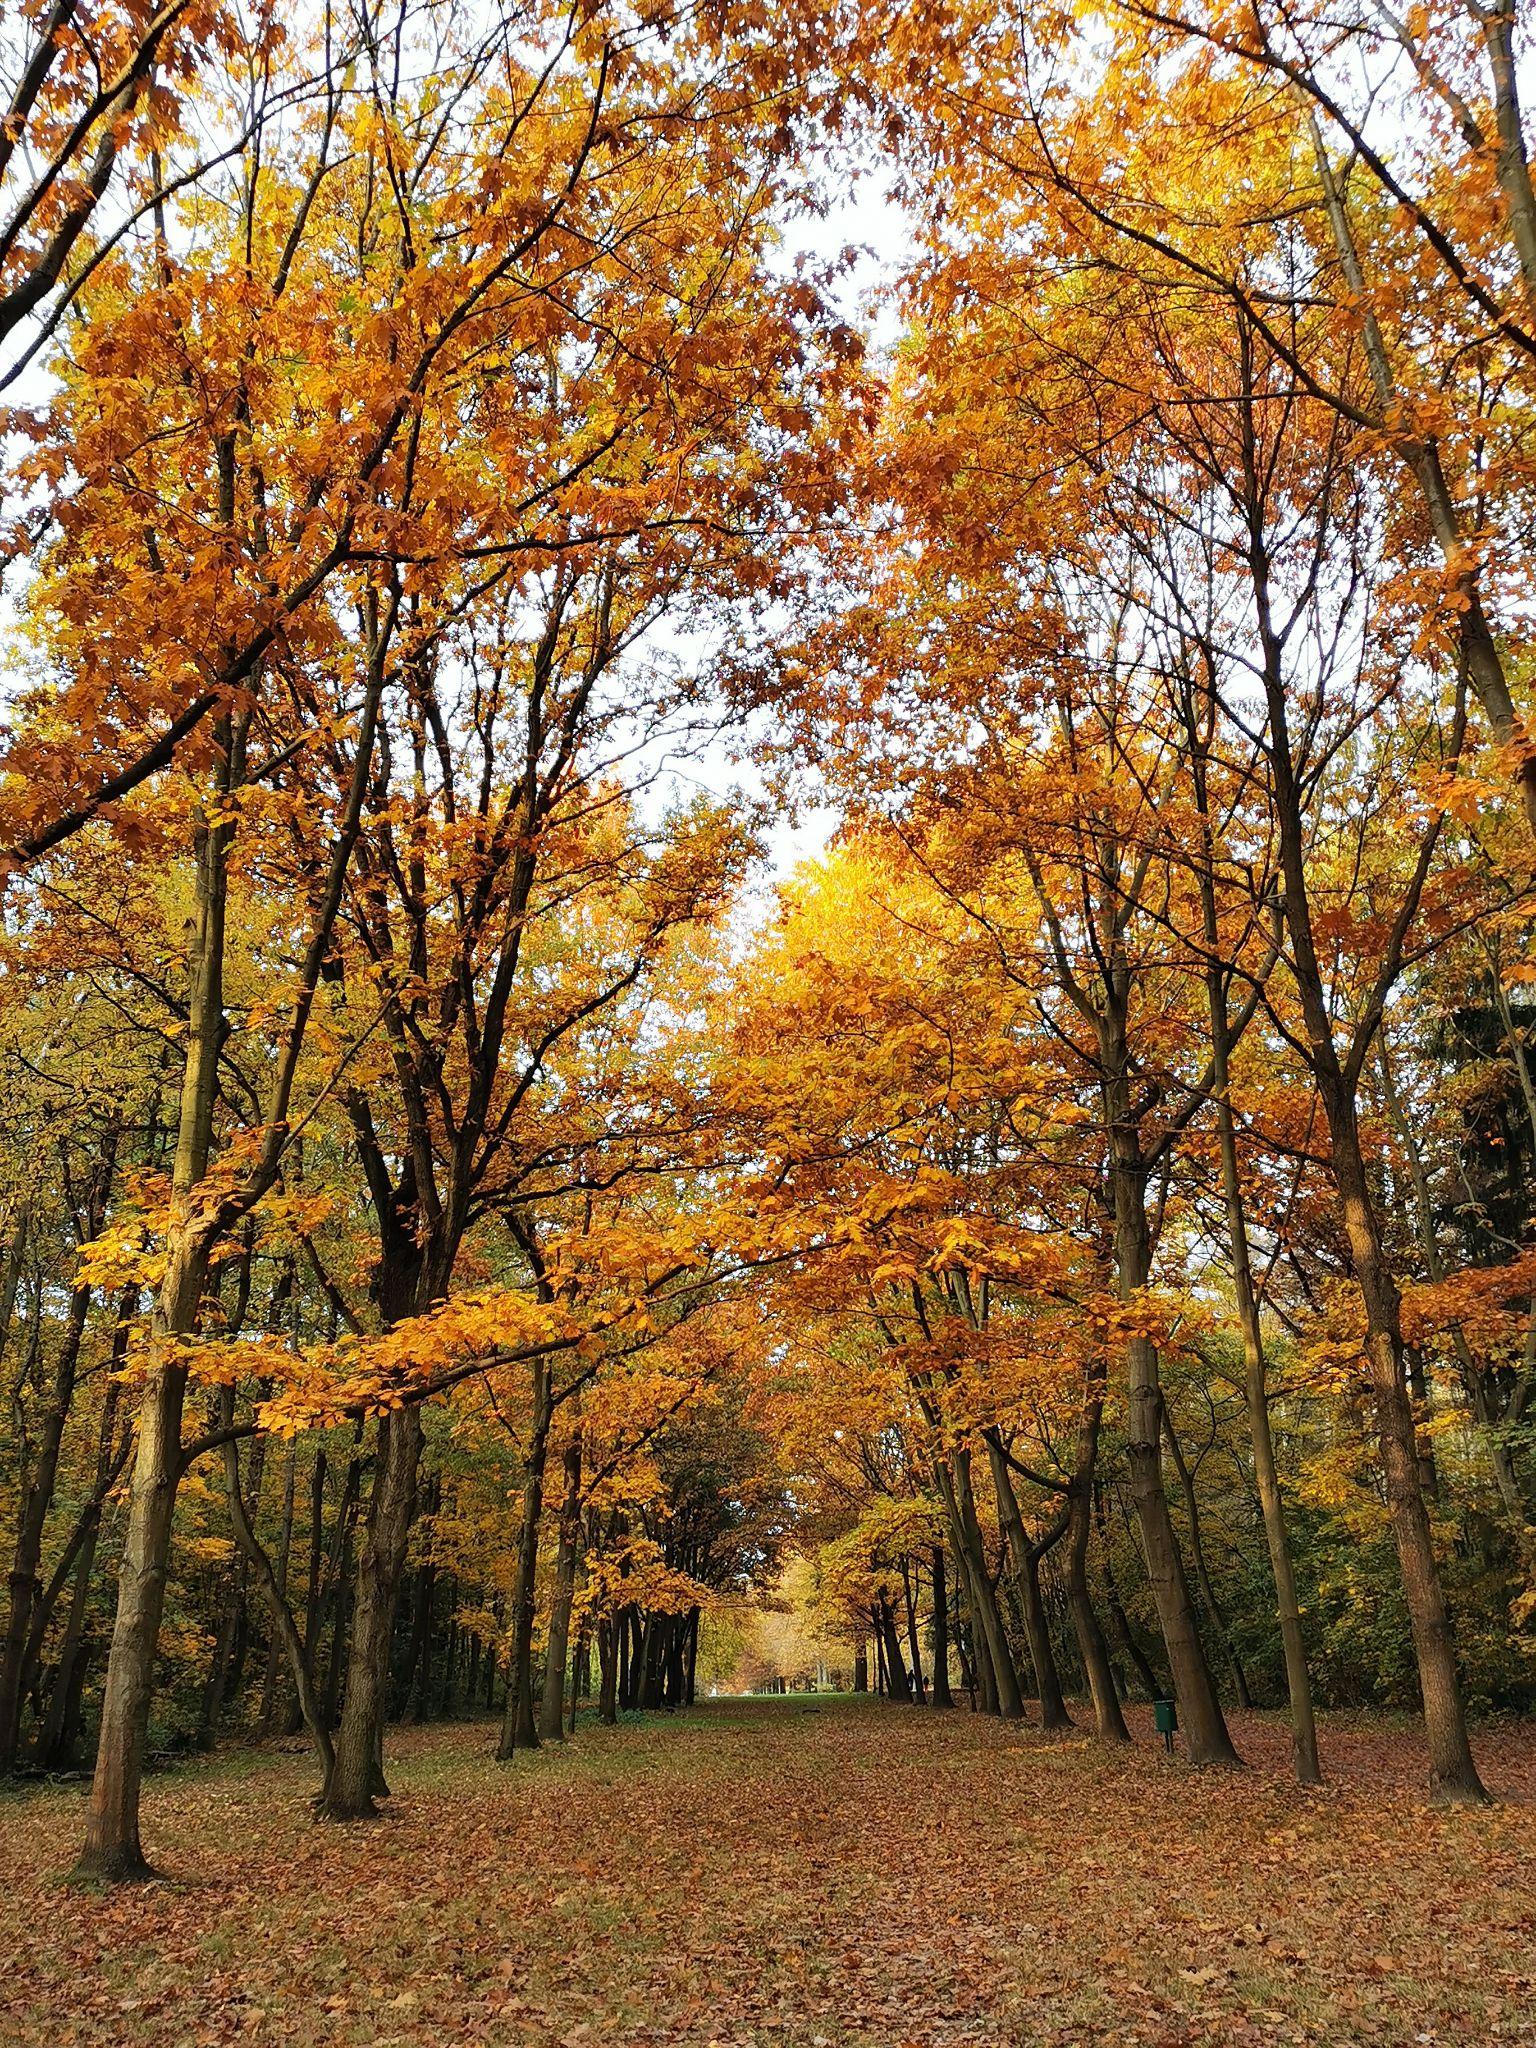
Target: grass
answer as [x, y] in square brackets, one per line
[754, 1873]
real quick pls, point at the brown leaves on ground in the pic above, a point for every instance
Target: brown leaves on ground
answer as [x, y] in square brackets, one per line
[802, 1873]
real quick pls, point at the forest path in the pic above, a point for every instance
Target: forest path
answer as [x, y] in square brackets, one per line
[800, 1872]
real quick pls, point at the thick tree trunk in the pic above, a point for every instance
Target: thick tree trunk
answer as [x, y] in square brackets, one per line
[112, 1847]
[899, 1683]
[355, 1780]
[1453, 1774]
[1205, 1728]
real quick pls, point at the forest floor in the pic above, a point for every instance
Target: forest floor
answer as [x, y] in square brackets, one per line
[796, 1872]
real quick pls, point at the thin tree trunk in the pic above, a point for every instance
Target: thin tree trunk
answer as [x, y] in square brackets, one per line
[608, 1671]
[1255, 1363]
[1135, 1655]
[919, 1684]
[37, 1498]
[941, 1696]
[1025, 1558]
[1109, 1720]
[999, 1680]
[519, 1729]
[552, 1705]
[54, 1747]
[267, 1712]
[284, 1629]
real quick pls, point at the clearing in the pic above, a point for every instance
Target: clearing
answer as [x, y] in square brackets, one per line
[797, 1872]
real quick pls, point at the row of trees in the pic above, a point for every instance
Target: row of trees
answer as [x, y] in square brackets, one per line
[413, 1164]
[1183, 723]
[432, 359]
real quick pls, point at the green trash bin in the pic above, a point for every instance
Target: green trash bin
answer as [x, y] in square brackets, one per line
[1165, 1718]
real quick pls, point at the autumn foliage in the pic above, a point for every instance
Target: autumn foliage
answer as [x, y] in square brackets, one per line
[476, 1225]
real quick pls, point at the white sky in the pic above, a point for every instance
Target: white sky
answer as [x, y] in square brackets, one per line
[865, 219]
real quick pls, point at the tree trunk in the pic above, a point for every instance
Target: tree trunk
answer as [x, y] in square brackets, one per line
[112, 1849]
[552, 1705]
[1109, 1720]
[691, 1657]
[1453, 1774]
[37, 1498]
[313, 1597]
[518, 1728]
[266, 1718]
[1255, 1364]
[896, 1670]
[1208, 1741]
[942, 1696]
[55, 1745]
[284, 1630]
[608, 1671]
[995, 1669]
[355, 1780]
[1025, 1558]
[919, 1685]
[1202, 1569]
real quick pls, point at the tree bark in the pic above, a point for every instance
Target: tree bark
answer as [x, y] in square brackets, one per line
[552, 1705]
[919, 1683]
[942, 1697]
[1207, 1738]
[1109, 1720]
[1025, 1558]
[356, 1779]
[112, 1849]
[37, 1498]
[1453, 1773]
[519, 1729]
[1202, 1568]
[999, 1681]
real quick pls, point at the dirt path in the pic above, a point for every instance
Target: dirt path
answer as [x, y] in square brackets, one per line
[795, 1873]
